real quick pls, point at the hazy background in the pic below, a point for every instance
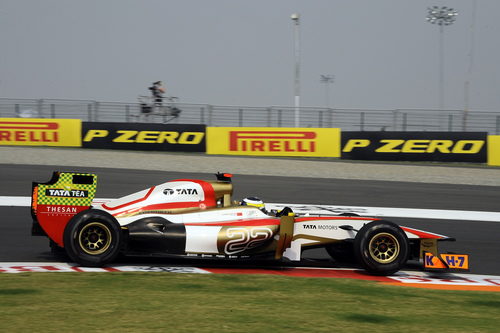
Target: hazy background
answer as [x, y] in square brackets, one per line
[383, 53]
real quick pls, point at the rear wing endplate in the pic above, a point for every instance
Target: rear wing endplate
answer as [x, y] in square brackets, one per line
[54, 203]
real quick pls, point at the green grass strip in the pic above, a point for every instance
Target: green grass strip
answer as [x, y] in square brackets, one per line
[167, 302]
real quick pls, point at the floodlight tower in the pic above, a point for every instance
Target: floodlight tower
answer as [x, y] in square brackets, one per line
[441, 16]
[327, 79]
[296, 19]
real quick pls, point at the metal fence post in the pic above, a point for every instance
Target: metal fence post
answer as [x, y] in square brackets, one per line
[498, 125]
[464, 121]
[52, 110]
[362, 121]
[450, 123]
[320, 119]
[240, 117]
[395, 120]
[89, 112]
[127, 113]
[405, 119]
[96, 111]
[202, 115]
[279, 118]
[17, 110]
[39, 108]
[268, 117]
[330, 118]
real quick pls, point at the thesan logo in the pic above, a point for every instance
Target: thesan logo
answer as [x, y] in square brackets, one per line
[61, 210]
[272, 141]
[417, 146]
[25, 131]
[55, 192]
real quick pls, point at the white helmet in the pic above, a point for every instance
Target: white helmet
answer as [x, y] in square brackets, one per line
[254, 202]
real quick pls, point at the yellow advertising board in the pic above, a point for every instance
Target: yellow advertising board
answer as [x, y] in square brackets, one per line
[40, 132]
[494, 150]
[269, 141]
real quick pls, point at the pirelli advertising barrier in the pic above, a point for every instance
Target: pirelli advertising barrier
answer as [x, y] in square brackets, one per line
[259, 141]
[415, 146]
[40, 132]
[268, 141]
[494, 150]
[141, 136]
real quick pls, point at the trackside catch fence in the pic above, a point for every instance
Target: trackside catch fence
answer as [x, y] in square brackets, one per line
[246, 116]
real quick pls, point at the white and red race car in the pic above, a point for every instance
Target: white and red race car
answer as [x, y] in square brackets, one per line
[190, 217]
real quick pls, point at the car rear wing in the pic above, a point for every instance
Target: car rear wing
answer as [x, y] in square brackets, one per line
[55, 202]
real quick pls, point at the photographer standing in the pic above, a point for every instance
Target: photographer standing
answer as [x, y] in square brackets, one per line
[157, 91]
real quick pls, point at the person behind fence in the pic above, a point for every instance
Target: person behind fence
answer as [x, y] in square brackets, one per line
[157, 91]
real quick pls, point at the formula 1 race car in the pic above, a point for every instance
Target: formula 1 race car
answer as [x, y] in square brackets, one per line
[188, 217]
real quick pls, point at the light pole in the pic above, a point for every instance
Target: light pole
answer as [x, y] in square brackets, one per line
[327, 79]
[469, 70]
[441, 16]
[296, 19]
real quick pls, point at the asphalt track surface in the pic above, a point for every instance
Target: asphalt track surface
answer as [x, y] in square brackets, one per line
[481, 240]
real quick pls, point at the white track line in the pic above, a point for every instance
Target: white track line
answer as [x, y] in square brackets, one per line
[393, 212]
[13, 201]
[412, 277]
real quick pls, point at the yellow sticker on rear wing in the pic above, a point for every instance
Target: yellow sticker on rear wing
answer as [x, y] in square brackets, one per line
[446, 261]
[65, 188]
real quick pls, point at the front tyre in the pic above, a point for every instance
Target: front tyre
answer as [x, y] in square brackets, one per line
[93, 238]
[381, 247]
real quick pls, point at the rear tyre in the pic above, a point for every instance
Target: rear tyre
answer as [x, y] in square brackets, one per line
[93, 238]
[56, 250]
[381, 247]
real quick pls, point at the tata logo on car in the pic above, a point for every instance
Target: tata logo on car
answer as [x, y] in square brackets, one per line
[320, 226]
[180, 191]
[54, 192]
[272, 141]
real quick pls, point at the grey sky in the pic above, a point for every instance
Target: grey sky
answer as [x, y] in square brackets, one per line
[383, 53]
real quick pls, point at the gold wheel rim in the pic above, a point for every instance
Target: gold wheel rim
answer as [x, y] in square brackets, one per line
[95, 238]
[384, 248]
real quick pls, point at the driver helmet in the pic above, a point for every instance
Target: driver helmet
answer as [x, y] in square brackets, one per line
[254, 202]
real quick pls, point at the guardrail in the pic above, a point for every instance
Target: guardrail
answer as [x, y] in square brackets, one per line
[273, 116]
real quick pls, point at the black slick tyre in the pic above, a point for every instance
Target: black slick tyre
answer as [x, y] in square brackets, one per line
[57, 251]
[93, 238]
[381, 247]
